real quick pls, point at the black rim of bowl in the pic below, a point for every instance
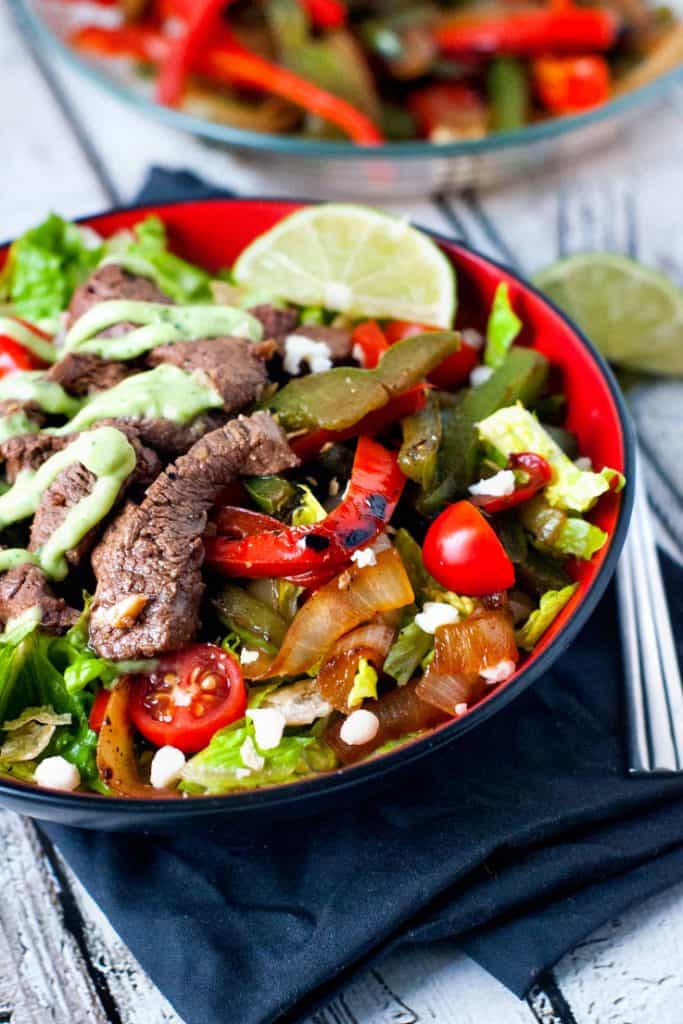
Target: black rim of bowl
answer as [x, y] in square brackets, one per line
[310, 787]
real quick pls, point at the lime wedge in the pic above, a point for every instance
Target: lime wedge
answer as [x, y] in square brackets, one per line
[632, 313]
[353, 260]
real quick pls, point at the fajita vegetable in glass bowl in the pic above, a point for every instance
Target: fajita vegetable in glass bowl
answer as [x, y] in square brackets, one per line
[377, 97]
[269, 520]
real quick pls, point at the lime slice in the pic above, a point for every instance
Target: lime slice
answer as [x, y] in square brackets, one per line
[353, 260]
[632, 313]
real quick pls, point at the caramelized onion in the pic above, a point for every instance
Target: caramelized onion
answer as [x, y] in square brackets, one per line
[371, 641]
[116, 761]
[461, 651]
[399, 711]
[355, 596]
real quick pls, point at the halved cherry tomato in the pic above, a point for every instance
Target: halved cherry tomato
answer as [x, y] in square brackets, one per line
[14, 356]
[190, 695]
[98, 710]
[370, 340]
[463, 553]
[454, 370]
[566, 85]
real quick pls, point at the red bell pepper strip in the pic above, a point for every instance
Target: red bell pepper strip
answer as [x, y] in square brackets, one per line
[326, 13]
[406, 404]
[566, 85]
[13, 357]
[186, 48]
[224, 61]
[371, 342]
[536, 30]
[374, 490]
[538, 472]
[98, 710]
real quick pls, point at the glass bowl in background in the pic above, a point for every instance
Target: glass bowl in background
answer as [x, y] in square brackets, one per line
[331, 168]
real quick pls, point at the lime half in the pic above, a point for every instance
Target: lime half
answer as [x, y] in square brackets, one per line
[353, 260]
[632, 313]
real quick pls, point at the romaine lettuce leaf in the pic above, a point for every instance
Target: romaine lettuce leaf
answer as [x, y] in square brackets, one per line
[309, 510]
[146, 252]
[556, 532]
[514, 429]
[221, 766]
[45, 266]
[550, 606]
[364, 684]
[502, 328]
[407, 651]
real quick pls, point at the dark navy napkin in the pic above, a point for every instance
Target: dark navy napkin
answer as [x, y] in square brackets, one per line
[518, 841]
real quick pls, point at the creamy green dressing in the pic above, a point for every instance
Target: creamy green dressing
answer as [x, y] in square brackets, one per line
[167, 392]
[10, 558]
[109, 456]
[155, 324]
[33, 386]
[40, 347]
[16, 423]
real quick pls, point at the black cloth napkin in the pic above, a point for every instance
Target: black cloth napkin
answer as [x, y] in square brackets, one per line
[518, 840]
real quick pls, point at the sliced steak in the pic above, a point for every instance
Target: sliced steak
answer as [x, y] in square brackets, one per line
[172, 439]
[234, 367]
[276, 323]
[112, 282]
[148, 564]
[82, 373]
[26, 587]
[337, 339]
[11, 406]
[76, 482]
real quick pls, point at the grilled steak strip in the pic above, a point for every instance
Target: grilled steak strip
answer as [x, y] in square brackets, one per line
[113, 282]
[26, 587]
[82, 373]
[234, 367]
[150, 558]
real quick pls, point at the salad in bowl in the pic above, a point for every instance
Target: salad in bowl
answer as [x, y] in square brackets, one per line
[271, 519]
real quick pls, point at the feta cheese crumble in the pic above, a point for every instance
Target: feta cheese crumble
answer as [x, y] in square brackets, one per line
[364, 557]
[166, 768]
[497, 486]
[250, 756]
[57, 773]
[479, 375]
[360, 727]
[435, 614]
[269, 725]
[472, 337]
[584, 462]
[248, 657]
[461, 709]
[498, 673]
[299, 349]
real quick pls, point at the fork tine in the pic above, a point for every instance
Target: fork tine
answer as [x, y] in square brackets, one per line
[639, 752]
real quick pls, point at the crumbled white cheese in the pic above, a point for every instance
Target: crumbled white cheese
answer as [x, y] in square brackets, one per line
[299, 349]
[357, 353]
[584, 462]
[181, 698]
[497, 486]
[248, 657]
[461, 709]
[435, 614]
[472, 337]
[479, 375]
[498, 673]
[269, 725]
[166, 768]
[364, 557]
[360, 727]
[242, 773]
[337, 296]
[250, 755]
[57, 773]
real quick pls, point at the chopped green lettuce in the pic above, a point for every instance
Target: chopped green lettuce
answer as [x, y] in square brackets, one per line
[222, 766]
[558, 533]
[514, 429]
[551, 604]
[309, 510]
[579, 537]
[30, 734]
[146, 252]
[502, 328]
[407, 651]
[364, 684]
[45, 266]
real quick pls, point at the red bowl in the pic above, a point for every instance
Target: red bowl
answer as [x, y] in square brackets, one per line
[212, 233]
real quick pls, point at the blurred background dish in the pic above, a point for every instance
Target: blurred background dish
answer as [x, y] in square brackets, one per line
[476, 100]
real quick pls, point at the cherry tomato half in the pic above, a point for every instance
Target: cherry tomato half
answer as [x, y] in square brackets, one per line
[14, 356]
[190, 695]
[454, 370]
[463, 553]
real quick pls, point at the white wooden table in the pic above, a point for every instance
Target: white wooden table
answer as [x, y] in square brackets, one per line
[66, 146]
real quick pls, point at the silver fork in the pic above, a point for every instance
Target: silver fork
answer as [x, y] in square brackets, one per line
[654, 694]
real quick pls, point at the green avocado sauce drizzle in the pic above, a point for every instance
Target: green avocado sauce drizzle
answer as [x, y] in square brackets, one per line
[107, 454]
[167, 392]
[16, 423]
[33, 386]
[155, 324]
[40, 347]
